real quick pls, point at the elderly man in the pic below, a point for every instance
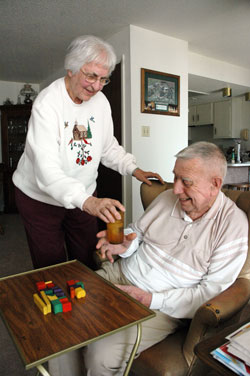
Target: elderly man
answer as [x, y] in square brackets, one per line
[188, 246]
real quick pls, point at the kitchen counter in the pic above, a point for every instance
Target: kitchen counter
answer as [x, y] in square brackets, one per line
[243, 164]
[237, 175]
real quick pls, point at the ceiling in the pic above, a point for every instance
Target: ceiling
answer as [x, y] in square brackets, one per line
[34, 34]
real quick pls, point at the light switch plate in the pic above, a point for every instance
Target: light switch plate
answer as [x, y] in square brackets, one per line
[145, 131]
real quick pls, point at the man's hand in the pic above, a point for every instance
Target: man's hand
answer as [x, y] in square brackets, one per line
[108, 250]
[142, 296]
[144, 175]
[104, 208]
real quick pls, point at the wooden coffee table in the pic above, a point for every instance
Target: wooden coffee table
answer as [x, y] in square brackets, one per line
[104, 311]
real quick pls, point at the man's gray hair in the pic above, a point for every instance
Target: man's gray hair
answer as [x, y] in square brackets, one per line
[210, 153]
[86, 49]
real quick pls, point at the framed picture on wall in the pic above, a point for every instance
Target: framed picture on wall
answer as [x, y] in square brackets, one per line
[160, 93]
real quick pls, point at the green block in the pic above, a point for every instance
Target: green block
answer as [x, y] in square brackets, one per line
[80, 284]
[49, 292]
[56, 306]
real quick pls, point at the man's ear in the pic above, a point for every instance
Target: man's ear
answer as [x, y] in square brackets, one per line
[216, 184]
[69, 73]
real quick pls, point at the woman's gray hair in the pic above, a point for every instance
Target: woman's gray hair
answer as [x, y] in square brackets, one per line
[86, 49]
[210, 153]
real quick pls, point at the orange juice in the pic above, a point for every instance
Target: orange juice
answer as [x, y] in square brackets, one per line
[115, 230]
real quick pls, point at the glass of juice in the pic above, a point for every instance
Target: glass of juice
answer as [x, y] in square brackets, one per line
[115, 231]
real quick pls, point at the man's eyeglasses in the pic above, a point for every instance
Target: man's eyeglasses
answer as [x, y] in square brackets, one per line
[92, 78]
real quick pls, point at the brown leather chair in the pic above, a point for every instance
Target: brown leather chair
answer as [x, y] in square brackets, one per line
[175, 356]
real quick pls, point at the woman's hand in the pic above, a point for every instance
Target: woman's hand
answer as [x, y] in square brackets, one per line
[107, 249]
[144, 175]
[104, 208]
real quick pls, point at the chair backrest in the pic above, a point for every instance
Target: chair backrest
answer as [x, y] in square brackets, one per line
[241, 198]
[150, 192]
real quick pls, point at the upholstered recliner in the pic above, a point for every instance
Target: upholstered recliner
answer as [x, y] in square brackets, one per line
[175, 356]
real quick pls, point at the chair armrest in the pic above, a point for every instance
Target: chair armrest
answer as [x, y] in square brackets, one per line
[226, 304]
[218, 309]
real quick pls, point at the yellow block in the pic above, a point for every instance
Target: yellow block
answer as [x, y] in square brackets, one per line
[40, 304]
[52, 297]
[48, 282]
[80, 292]
[46, 300]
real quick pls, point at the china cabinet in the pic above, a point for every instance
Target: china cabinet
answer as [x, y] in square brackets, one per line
[14, 126]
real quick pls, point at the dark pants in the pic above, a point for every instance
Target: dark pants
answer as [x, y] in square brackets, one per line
[49, 228]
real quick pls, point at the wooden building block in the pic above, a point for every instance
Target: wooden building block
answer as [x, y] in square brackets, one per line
[46, 301]
[71, 282]
[79, 283]
[72, 292]
[64, 299]
[41, 285]
[49, 292]
[56, 306]
[40, 304]
[59, 294]
[52, 297]
[80, 292]
[50, 285]
[67, 306]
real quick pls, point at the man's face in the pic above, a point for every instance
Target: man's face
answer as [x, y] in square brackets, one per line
[78, 86]
[194, 186]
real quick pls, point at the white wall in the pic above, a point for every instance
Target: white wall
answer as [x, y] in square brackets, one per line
[217, 70]
[168, 134]
[52, 78]
[11, 90]
[143, 48]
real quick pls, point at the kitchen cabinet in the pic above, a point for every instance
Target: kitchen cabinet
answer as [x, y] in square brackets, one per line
[201, 114]
[228, 118]
[14, 126]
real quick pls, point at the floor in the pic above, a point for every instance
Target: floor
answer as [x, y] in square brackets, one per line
[15, 258]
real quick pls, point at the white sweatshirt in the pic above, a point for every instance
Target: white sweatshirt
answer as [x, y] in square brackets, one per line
[184, 263]
[57, 167]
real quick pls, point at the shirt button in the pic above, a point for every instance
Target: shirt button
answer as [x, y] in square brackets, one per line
[185, 236]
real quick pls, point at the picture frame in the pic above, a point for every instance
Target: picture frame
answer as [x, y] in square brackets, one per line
[160, 93]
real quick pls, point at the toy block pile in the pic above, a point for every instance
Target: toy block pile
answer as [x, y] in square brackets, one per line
[53, 299]
[76, 289]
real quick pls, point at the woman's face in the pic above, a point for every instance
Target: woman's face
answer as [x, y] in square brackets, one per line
[77, 84]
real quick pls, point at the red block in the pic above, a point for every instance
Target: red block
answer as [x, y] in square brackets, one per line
[63, 300]
[50, 285]
[41, 285]
[72, 292]
[66, 306]
[71, 282]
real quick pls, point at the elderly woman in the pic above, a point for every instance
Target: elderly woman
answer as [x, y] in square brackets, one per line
[70, 133]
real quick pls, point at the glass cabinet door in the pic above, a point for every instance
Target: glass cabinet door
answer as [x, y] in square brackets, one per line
[17, 131]
[14, 127]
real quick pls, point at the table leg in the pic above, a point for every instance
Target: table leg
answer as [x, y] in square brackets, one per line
[133, 352]
[42, 370]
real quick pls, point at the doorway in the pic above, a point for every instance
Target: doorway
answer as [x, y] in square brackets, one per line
[109, 182]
